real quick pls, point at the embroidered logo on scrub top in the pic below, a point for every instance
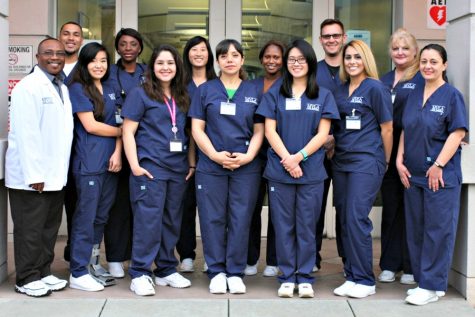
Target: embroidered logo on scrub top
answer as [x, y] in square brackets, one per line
[47, 100]
[251, 100]
[409, 86]
[313, 106]
[437, 108]
[357, 100]
[112, 96]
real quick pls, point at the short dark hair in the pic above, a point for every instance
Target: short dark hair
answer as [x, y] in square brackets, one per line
[442, 53]
[279, 44]
[330, 22]
[48, 38]
[311, 59]
[210, 73]
[71, 22]
[130, 32]
[223, 48]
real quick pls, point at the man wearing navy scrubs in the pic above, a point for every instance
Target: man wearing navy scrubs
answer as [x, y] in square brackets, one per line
[332, 38]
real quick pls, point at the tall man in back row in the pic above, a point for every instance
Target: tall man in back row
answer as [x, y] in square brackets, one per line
[332, 38]
[36, 169]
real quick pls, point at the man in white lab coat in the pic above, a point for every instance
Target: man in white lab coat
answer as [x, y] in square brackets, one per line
[37, 159]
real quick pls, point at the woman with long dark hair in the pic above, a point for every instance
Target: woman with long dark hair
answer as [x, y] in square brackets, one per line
[96, 162]
[156, 143]
[298, 117]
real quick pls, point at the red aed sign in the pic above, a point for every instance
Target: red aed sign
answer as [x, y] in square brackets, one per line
[436, 14]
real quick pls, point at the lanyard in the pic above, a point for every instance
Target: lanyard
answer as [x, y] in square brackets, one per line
[172, 111]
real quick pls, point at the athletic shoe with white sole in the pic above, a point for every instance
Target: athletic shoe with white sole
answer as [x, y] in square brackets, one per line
[250, 270]
[344, 288]
[186, 266]
[306, 290]
[142, 286]
[387, 276]
[85, 283]
[270, 271]
[173, 280]
[116, 269]
[236, 285]
[218, 284]
[34, 289]
[407, 279]
[412, 290]
[361, 291]
[54, 283]
[286, 290]
[421, 297]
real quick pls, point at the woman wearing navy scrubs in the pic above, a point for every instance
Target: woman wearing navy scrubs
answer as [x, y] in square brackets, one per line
[97, 160]
[298, 117]
[126, 74]
[156, 145]
[428, 162]
[402, 80]
[270, 56]
[229, 135]
[198, 63]
[363, 139]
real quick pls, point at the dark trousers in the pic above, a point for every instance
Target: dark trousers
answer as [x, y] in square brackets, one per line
[70, 200]
[187, 243]
[36, 220]
[254, 248]
[118, 230]
[394, 250]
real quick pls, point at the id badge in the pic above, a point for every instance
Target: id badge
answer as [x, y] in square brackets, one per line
[292, 104]
[353, 122]
[393, 96]
[228, 108]
[176, 145]
[118, 118]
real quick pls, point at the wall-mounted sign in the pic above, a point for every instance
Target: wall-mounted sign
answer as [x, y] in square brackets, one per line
[363, 35]
[20, 59]
[436, 14]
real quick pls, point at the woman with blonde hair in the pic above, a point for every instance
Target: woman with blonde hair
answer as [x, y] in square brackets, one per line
[402, 80]
[363, 139]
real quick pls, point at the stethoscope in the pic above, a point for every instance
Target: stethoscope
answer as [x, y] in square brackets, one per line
[123, 94]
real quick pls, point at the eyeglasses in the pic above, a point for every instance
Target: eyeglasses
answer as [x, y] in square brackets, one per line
[52, 53]
[301, 60]
[336, 36]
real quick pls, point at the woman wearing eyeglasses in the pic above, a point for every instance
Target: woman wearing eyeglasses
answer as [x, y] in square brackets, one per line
[363, 142]
[126, 74]
[298, 117]
[229, 135]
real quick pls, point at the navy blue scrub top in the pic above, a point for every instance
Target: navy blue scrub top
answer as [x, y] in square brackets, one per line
[124, 80]
[296, 128]
[226, 132]
[399, 93]
[92, 152]
[427, 127]
[362, 150]
[326, 79]
[154, 132]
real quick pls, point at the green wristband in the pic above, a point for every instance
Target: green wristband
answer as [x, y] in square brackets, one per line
[304, 154]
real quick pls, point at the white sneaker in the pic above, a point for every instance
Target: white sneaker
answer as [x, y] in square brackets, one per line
[236, 285]
[54, 283]
[205, 267]
[250, 270]
[407, 279]
[218, 285]
[422, 296]
[286, 290]
[142, 286]
[174, 280]
[187, 266]
[116, 269]
[315, 269]
[306, 290]
[344, 288]
[412, 290]
[361, 291]
[85, 283]
[34, 289]
[270, 271]
[387, 276]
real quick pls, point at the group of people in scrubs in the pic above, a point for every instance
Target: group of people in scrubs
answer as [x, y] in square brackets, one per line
[155, 141]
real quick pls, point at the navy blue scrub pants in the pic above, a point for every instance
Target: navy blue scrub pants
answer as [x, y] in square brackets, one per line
[157, 208]
[296, 208]
[254, 248]
[394, 251]
[225, 206]
[96, 194]
[186, 244]
[354, 196]
[431, 220]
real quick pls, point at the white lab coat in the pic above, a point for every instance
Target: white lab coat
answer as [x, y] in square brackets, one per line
[40, 136]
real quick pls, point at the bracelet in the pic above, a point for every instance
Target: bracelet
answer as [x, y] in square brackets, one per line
[438, 165]
[304, 154]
